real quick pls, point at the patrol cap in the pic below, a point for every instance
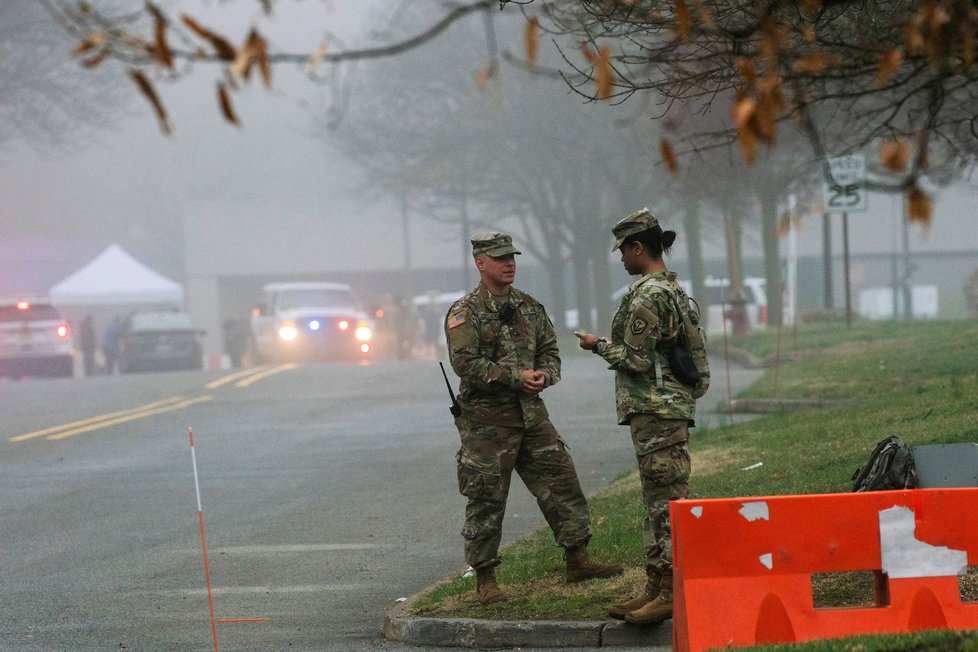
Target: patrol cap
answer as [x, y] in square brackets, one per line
[493, 243]
[637, 222]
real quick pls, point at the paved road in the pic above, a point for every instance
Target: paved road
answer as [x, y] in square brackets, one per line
[328, 492]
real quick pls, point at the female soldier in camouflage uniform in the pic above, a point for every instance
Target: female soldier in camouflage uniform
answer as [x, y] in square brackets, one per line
[657, 407]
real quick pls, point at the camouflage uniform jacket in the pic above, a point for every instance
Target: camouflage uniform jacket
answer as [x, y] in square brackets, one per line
[642, 331]
[489, 357]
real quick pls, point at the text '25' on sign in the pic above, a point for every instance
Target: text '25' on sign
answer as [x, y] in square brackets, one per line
[845, 189]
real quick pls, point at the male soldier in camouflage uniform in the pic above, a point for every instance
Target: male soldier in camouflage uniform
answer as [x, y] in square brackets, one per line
[656, 406]
[503, 347]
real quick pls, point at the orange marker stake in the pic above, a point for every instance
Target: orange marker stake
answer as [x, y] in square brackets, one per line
[203, 541]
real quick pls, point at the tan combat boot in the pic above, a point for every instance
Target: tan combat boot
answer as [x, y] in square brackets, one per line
[486, 587]
[580, 567]
[656, 611]
[648, 595]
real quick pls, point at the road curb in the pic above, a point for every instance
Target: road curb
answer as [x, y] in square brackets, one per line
[402, 626]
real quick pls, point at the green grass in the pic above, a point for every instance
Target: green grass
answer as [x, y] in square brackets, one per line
[916, 380]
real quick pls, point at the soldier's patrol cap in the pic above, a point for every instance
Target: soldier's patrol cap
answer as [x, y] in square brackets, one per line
[637, 222]
[493, 243]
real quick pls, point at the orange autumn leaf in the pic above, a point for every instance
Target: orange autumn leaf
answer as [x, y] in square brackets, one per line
[706, 17]
[748, 143]
[90, 42]
[895, 154]
[483, 76]
[253, 52]
[160, 50]
[603, 73]
[668, 156]
[146, 88]
[743, 111]
[919, 206]
[220, 44]
[809, 7]
[682, 20]
[888, 65]
[814, 63]
[317, 57]
[532, 38]
[588, 53]
[224, 98]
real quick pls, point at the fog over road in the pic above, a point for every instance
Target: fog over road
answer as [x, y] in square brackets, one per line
[328, 492]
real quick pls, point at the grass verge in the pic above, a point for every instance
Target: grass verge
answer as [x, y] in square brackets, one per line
[916, 380]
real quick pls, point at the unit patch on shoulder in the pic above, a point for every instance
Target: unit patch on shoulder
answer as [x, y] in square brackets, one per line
[456, 320]
[639, 325]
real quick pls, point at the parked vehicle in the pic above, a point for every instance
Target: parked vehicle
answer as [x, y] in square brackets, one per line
[34, 340]
[309, 321]
[160, 341]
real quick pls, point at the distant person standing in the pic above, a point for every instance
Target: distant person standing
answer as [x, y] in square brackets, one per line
[656, 406]
[86, 340]
[503, 347]
[110, 344]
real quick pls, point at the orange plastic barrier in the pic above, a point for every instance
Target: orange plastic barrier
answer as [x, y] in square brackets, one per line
[743, 566]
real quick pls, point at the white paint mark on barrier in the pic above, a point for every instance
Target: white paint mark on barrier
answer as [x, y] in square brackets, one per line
[767, 560]
[696, 511]
[755, 511]
[903, 555]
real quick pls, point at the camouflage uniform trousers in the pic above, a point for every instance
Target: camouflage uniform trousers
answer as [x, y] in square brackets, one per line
[486, 461]
[663, 463]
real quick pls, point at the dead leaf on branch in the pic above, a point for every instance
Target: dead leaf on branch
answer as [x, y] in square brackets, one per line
[919, 206]
[224, 98]
[532, 38]
[159, 50]
[895, 154]
[810, 7]
[221, 46]
[253, 52]
[814, 63]
[888, 65]
[588, 53]
[317, 57]
[683, 21]
[482, 77]
[92, 62]
[668, 156]
[91, 42]
[706, 17]
[150, 93]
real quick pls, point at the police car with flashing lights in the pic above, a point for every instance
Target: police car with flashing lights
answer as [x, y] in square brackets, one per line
[306, 321]
[34, 340]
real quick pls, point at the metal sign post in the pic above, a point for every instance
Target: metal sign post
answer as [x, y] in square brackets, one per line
[844, 190]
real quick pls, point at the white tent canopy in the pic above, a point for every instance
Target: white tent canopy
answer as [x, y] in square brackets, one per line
[115, 278]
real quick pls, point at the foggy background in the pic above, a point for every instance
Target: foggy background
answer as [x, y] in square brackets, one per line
[307, 187]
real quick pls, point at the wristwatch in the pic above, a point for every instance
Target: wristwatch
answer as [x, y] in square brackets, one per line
[600, 344]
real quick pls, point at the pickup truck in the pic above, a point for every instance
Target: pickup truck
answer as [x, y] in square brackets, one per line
[309, 321]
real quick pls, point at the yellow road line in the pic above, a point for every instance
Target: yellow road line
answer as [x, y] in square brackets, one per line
[265, 374]
[236, 375]
[131, 417]
[101, 417]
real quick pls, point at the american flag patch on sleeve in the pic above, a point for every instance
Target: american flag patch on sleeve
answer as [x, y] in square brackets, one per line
[456, 320]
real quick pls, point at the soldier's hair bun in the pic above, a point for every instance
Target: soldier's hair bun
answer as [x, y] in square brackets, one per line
[668, 237]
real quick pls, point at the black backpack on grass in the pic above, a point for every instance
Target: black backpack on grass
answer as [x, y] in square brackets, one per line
[890, 467]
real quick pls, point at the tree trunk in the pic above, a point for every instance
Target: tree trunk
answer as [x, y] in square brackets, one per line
[694, 250]
[772, 258]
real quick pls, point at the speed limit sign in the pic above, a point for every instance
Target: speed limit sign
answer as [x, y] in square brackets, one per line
[844, 189]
